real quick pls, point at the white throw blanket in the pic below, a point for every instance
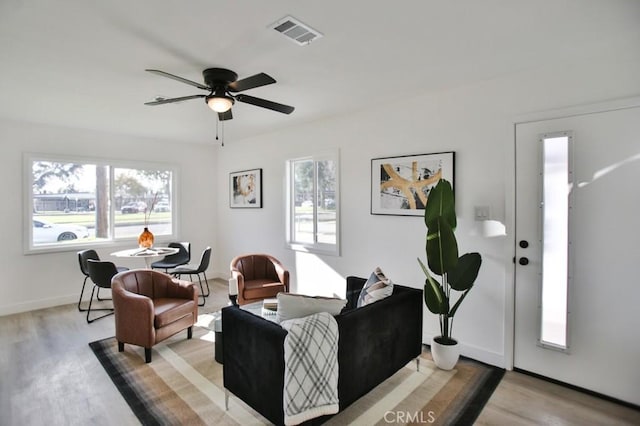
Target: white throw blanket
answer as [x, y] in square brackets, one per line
[311, 368]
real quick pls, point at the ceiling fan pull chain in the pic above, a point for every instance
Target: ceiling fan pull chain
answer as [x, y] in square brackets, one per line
[217, 122]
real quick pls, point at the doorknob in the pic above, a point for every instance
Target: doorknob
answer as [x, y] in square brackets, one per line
[523, 261]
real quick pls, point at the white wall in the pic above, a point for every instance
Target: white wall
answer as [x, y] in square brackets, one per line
[477, 123]
[42, 280]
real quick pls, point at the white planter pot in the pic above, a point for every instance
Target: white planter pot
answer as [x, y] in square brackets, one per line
[445, 356]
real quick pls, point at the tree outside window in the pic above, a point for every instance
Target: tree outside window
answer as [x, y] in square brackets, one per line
[83, 201]
[313, 208]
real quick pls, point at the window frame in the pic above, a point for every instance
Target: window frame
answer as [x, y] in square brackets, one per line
[545, 257]
[113, 164]
[315, 247]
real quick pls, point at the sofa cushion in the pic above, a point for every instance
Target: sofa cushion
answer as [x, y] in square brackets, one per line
[377, 287]
[298, 306]
[261, 288]
[168, 310]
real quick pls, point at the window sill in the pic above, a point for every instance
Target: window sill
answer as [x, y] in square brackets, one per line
[315, 249]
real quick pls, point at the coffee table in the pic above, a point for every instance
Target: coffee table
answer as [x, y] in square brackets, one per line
[255, 308]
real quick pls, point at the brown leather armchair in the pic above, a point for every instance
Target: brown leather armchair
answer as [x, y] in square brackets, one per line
[259, 276]
[151, 306]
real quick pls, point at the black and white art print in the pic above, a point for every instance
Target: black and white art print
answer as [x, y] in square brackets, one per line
[245, 189]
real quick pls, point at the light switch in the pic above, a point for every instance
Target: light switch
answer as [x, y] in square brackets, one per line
[482, 213]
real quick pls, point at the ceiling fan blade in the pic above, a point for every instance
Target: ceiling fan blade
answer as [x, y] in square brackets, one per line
[285, 109]
[257, 80]
[172, 100]
[222, 116]
[175, 77]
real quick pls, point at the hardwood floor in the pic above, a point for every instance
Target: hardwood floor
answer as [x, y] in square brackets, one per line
[48, 375]
[524, 400]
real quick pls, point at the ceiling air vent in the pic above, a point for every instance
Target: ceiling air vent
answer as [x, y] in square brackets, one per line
[296, 31]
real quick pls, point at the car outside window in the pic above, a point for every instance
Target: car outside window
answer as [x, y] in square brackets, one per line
[73, 202]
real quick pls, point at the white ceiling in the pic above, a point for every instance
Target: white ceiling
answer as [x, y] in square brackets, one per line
[80, 63]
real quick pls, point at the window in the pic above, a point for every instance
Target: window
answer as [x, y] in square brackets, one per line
[555, 206]
[313, 207]
[73, 202]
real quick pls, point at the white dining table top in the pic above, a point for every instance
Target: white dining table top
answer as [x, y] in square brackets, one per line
[142, 252]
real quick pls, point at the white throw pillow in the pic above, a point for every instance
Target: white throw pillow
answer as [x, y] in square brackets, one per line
[376, 288]
[298, 306]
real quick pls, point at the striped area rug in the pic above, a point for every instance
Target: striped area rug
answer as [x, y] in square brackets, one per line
[183, 385]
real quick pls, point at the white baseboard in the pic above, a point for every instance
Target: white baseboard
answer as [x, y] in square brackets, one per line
[477, 353]
[217, 274]
[33, 305]
[483, 355]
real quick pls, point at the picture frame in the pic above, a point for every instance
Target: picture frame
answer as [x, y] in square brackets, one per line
[400, 185]
[245, 189]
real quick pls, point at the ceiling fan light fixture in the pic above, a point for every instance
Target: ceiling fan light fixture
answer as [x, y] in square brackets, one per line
[221, 83]
[220, 103]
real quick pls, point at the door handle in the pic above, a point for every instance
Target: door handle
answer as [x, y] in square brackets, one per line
[523, 261]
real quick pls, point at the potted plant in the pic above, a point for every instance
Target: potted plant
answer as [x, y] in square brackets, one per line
[457, 274]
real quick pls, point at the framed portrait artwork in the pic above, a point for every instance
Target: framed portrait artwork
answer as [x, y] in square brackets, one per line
[400, 185]
[245, 189]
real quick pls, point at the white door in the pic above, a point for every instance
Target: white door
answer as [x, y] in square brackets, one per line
[578, 223]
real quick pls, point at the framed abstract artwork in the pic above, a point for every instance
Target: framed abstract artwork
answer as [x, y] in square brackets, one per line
[400, 185]
[245, 189]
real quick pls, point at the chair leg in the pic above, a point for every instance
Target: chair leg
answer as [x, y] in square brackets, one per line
[98, 296]
[202, 293]
[147, 355]
[120, 346]
[206, 282]
[81, 294]
[100, 309]
[189, 332]
[201, 290]
[90, 301]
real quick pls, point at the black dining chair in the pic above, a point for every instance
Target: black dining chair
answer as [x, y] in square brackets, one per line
[83, 257]
[182, 257]
[100, 273]
[197, 270]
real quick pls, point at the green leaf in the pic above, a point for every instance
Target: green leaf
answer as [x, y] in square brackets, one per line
[424, 268]
[441, 247]
[441, 203]
[463, 276]
[434, 297]
[457, 305]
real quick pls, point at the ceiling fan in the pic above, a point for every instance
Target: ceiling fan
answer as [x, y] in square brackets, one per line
[221, 83]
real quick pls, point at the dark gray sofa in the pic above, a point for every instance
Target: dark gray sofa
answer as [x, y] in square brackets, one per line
[375, 341]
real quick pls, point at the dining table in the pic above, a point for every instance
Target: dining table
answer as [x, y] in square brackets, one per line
[148, 254]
